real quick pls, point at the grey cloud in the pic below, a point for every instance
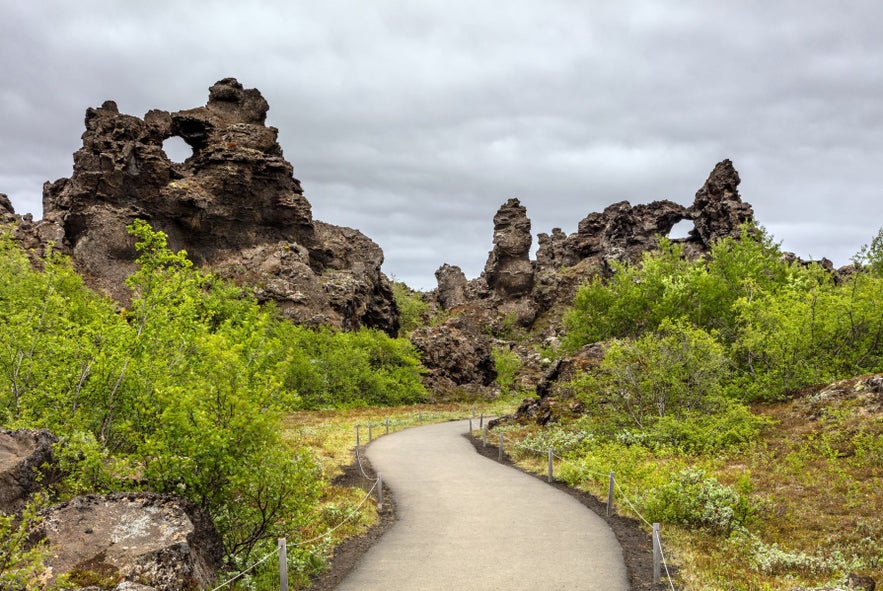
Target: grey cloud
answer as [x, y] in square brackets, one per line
[414, 121]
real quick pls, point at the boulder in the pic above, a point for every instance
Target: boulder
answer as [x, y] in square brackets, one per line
[26, 466]
[161, 542]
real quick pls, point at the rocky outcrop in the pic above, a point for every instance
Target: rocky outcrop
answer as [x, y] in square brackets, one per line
[554, 394]
[508, 270]
[624, 232]
[620, 232]
[451, 286]
[162, 542]
[26, 466]
[233, 205]
[514, 292]
[717, 210]
[457, 357]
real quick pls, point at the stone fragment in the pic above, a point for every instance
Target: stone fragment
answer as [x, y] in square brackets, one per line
[161, 542]
[26, 466]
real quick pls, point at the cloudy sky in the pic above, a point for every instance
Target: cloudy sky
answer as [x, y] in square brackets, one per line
[414, 121]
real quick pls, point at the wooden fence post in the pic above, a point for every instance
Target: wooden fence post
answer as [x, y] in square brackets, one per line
[387, 425]
[610, 495]
[370, 433]
[657, 554]
[501, 448]
[357, 438]
[551, 452]
[283, 565]
[379, 491]
[483, 436]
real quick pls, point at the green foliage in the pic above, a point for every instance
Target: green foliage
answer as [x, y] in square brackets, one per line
[670, 372]
[783, 325]
[413, 310]
[507, 364]
[692, 499]
[635, 300]
[811, 330]
[666, 286]
[361, 368]
[183, 392]
[21, 560]
[872, 256]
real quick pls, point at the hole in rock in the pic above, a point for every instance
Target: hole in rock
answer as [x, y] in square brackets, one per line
[177, 149]
[681, 230]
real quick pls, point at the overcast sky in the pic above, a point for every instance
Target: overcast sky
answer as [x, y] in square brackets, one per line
[413, 121]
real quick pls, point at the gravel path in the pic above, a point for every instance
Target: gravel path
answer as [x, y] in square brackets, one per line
[467, 522]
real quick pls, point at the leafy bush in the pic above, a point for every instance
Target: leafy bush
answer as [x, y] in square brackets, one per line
[724, 424]
[694, 500]
[413, 310]
[507, 364]
[670, 372]
[21, 560]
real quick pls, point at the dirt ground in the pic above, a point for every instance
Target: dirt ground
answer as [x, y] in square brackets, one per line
[636, 543]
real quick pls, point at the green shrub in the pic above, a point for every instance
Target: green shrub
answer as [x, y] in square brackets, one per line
[21, 561]
[692, 499]
[413, 310]
[507, 364]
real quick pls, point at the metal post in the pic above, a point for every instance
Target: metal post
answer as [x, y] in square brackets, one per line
[657, 554]
[481, 421]
[550, 464]
[387, 425]
[501, 448]
[610, 495]
[484, 437]
[370, 433]
[379, 491]
[283, 565]
[357, 437]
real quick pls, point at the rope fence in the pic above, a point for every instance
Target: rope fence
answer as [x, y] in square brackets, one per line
[659, 562]
[376, 486]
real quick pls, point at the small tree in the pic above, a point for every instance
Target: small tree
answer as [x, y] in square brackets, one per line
[671, 371]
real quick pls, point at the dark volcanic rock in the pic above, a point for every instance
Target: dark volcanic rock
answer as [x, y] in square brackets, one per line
[456, 357]
[233, 205]
[513, 292]
[451, 286]
[25, 466]
[718, 211]
[620, 232]
[163, 542]
[508, 270]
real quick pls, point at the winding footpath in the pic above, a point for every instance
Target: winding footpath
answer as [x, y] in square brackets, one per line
[467, 522]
